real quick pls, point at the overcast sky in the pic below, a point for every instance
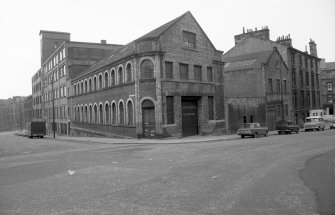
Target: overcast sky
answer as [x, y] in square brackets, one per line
[123, 21]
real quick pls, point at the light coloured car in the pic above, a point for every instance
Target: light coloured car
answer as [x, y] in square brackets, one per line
[252, 130]
[314, 123]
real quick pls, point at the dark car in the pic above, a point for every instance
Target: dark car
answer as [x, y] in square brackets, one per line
[287, 127]
[332, 125]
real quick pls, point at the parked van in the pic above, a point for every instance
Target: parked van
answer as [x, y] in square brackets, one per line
[314, 123]
[36, 129]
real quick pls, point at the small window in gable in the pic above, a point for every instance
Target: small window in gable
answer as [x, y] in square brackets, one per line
[189, 39]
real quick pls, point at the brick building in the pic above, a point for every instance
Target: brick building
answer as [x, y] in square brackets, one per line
[61, 59]
[328, 87]
[257, 89]
[168, 82]
[303, 68]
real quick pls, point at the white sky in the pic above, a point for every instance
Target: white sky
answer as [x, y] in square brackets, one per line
[123, 21]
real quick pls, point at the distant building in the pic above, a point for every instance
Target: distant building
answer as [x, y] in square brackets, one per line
[257, 89]
[168, 82]
[37, 96]
[328, 87]
[61, 60]
[15, 113]
[304, 69]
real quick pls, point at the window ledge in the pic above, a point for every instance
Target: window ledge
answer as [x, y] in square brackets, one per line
[190, 49]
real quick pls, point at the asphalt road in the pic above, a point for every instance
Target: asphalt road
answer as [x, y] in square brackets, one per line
[274, 175]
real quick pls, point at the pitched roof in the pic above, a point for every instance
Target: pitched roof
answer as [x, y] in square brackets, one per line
[247, 61]
[330, 66]
[160, 30]
[129, 49]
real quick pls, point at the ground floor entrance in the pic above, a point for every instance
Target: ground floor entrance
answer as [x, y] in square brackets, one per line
[190, 116]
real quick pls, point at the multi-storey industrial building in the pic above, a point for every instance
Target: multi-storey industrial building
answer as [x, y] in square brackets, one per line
[328, 87]
[61, 59]
[168, 82]
[304, 69]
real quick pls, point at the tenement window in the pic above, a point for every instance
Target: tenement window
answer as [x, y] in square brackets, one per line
[209, 74]
[189, 39]
[329, 86]
[197, 73]
[183, 68]
[270, 86]
[168, 69]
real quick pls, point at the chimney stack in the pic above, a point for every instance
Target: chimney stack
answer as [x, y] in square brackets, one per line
[103, 42]
[312, 48]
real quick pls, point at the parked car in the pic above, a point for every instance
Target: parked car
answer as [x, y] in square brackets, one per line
[314, 123]
[252, 130]
[287, 127]
[332, 125]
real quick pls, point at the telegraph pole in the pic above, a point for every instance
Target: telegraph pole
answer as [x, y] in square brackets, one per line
[53, 106]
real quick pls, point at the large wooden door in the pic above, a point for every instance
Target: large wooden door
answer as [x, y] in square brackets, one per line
[189, 118]
[148, 122]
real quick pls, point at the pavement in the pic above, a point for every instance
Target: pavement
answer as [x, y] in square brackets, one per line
[171, 140]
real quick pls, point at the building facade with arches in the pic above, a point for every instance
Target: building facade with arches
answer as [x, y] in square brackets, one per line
[168, 82]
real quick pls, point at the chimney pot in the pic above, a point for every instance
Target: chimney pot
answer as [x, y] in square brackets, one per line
[103, 42]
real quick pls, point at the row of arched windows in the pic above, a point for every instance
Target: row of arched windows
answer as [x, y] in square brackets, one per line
[114, 77]
[104, 80]
[115, 114]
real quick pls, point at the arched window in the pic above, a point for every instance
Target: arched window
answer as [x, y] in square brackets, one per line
[81, 87]
[129, 75]
[113, 77]
[106, 80]
[85, 115]
[130, 113]
[120, 75]
[121, 114]
[78, 114]
[100, 81]
[75, 89]
[85, 87]
[147, 69]
[75, 113]
[90, 85]
[101, 114]
[95, 83]
[82, 114]
[113, 113]
[90, 112]
[95, 113]
[107, 113]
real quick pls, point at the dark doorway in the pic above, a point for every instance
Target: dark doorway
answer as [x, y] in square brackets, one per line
[148, 118]
[189, 116]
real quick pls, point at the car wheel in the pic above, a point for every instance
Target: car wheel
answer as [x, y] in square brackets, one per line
[255, 135]
[279, 132]
[242, 136]
[297, 131]
[266, 134]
